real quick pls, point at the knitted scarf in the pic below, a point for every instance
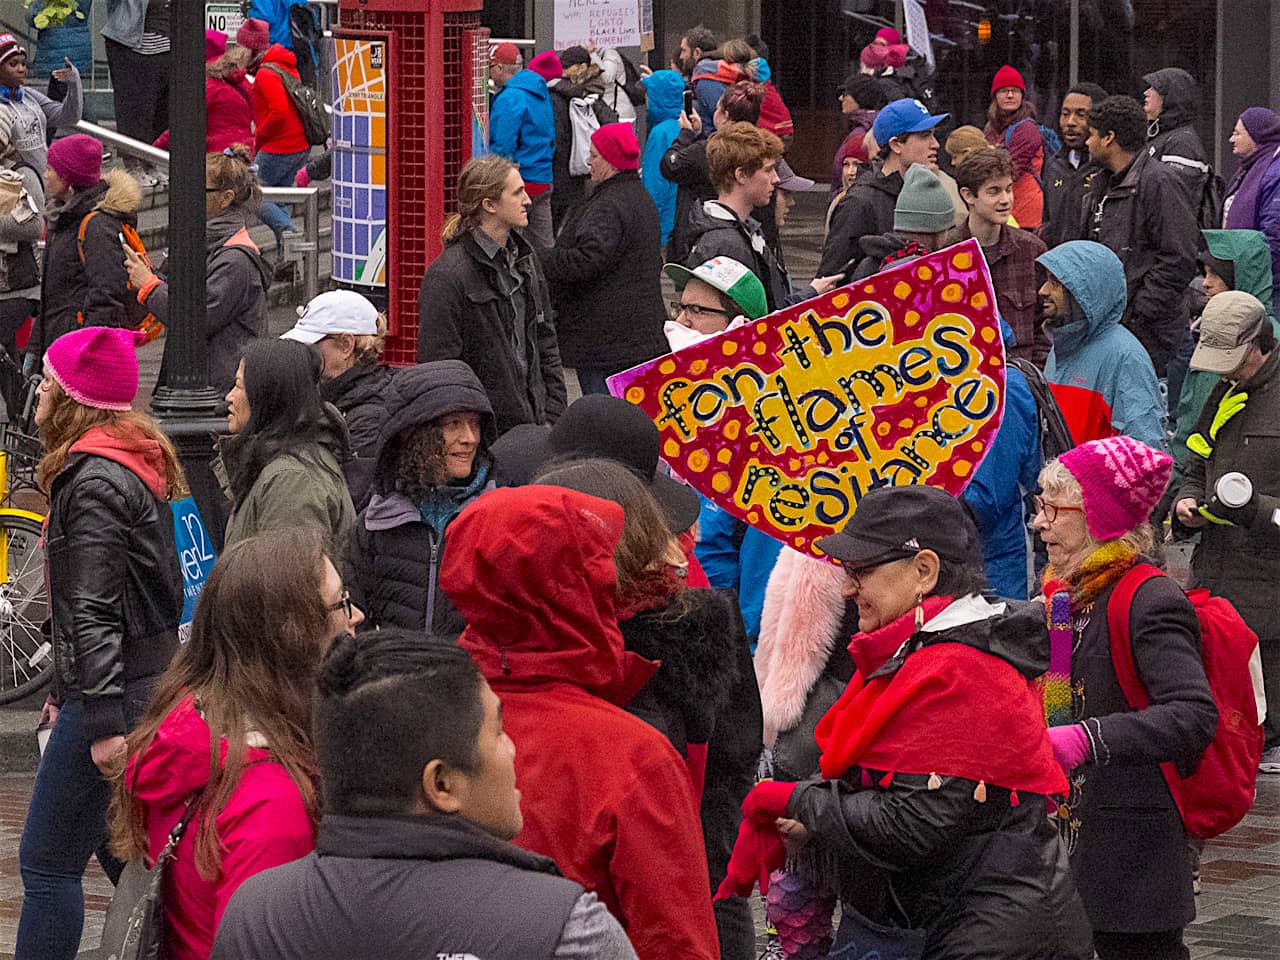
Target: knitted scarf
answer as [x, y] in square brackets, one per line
[444, 503]
[1065, 597]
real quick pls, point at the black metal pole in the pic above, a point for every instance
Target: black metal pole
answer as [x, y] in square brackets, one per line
[186, 405]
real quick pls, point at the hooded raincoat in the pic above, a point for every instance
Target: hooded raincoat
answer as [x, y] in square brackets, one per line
[522, 126]
[1100, 374]
[606, 795]
[1172, 138]
[665, 90]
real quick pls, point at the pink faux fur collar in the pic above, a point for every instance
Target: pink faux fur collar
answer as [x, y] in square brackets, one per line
[802, 612]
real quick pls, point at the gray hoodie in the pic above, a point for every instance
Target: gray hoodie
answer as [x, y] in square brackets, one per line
[34, 114]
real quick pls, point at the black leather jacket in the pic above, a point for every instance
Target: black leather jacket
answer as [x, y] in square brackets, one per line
[115, 583]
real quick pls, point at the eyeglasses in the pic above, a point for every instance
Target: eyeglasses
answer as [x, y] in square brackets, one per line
[855, 574]
[344, 604]
[1051, 510]
[695, 311]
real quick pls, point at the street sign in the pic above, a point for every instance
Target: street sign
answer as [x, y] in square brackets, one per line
[223, 17]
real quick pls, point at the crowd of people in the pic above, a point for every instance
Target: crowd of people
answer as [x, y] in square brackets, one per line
[470, 644]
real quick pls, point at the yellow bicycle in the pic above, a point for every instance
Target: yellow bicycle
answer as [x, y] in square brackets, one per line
[26, 652]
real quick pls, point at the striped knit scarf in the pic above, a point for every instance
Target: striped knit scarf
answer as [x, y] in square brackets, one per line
[1065, 597]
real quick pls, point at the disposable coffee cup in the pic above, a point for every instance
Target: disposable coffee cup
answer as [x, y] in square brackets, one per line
[1233, 490]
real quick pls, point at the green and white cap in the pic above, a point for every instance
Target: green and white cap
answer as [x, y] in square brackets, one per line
[729, 277]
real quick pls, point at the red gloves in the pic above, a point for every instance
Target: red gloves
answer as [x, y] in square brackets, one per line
[759, 849]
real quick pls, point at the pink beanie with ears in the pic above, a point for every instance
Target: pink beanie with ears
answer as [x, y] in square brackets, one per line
[97, 366]
[1122, 479]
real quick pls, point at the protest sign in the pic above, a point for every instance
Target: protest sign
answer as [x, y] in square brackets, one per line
[785, 422]
[606, 23]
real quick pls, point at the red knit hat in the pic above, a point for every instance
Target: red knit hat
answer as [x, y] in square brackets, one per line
[77, 160]
[1006, 76]
[1122, 480]
[547, 65]
[616, 142]
[96, 366]
[507, 53]
[254, 34]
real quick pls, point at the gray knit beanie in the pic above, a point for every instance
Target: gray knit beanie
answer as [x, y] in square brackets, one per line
[923, 206]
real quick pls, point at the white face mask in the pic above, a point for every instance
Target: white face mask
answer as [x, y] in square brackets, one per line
[679, 336]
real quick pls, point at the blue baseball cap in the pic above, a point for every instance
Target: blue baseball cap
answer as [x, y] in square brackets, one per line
[903, 116]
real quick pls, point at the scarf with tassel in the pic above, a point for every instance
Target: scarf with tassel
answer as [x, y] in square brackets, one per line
[1066, 598]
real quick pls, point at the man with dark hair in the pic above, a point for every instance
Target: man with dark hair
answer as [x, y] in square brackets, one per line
[985, 179]
[1068, 174]
[1138, 209]
[1239, 552]
[904, 131]
[698, 44]
[1169, 103]
[420, 802]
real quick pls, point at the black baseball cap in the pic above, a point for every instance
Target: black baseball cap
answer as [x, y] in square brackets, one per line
[892, 522]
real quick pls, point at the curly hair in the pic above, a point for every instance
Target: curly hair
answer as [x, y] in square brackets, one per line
[418, 464]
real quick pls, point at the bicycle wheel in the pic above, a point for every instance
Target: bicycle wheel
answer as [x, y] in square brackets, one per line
[26, 656]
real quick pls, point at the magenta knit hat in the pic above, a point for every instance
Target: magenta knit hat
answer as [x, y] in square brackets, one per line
[254, 34]
[77, 160]
[547, 65]
[215, 44]
[616, 142]
[96, 366]
[1122, 479]
[1006, 76]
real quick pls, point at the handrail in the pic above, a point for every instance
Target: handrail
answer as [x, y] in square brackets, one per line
[308, 247]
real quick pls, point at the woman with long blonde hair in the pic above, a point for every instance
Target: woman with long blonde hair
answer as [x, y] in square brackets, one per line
[115, 591]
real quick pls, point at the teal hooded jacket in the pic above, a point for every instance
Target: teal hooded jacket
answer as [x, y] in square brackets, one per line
[665, 90]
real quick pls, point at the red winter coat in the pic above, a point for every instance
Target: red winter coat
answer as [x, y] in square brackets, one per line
[229, 110]
[604, 794]
[279, 128]
[263, 825]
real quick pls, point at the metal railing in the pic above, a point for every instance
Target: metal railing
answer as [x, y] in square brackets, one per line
[307, 250]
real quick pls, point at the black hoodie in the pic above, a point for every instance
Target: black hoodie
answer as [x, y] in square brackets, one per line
[1171, 138]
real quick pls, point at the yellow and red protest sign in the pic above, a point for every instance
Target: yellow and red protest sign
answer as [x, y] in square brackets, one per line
[786, 422]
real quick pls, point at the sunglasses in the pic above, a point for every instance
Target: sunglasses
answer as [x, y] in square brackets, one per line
[856, 574]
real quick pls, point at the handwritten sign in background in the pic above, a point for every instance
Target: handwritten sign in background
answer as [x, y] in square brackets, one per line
[786, 422]
[606, 23]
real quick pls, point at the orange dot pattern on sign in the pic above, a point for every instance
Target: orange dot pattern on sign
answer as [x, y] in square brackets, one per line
[716, 450]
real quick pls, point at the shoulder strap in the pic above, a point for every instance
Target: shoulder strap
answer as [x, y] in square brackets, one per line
[1119, 614]
[80, 233]
[176, 833]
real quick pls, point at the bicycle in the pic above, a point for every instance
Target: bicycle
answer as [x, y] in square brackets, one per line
[26, 650]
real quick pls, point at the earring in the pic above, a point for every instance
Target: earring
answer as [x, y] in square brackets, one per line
[919, 610]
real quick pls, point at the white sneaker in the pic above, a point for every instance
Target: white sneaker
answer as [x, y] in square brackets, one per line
[1270, 762]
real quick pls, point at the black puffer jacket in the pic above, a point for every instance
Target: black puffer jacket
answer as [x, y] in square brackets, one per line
[685, 165]
[1143, 216]
[364, 396]
[983, 879]
[464, 315]
[605, 274]
[115, 584]
[393, 559]
[716, 231]
[1171, 137]
[867, 209]
[569, 190]
[97, 286]
[704, 693]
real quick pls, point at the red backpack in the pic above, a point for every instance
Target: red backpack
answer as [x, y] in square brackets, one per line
[1221, 790]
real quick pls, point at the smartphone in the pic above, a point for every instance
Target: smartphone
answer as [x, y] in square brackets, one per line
[847, 270]
[688, 102]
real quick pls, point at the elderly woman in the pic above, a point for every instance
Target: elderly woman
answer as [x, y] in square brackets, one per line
[935, 760]
[1129, 846]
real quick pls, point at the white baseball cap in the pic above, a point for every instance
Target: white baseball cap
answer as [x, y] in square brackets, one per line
[338, 311]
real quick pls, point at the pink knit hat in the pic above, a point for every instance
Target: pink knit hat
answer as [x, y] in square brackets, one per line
[254, 34]
[1122, 479]
[616, 142]
[215, 44]
[96, 366]
[77, 160]
[547, 65]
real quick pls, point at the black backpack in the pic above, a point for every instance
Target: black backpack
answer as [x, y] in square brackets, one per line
[315, 122]
[634, 87]
[1212, 200]
[307, 40]
[1055, 438]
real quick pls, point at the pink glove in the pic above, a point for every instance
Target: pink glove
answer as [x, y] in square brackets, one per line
[1070, 745]
[302, 179]
[768, 801]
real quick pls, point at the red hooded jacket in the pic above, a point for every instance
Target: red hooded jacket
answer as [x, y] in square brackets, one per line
[263, 825]
[229, 110]
[278, 127]
[604, 794]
